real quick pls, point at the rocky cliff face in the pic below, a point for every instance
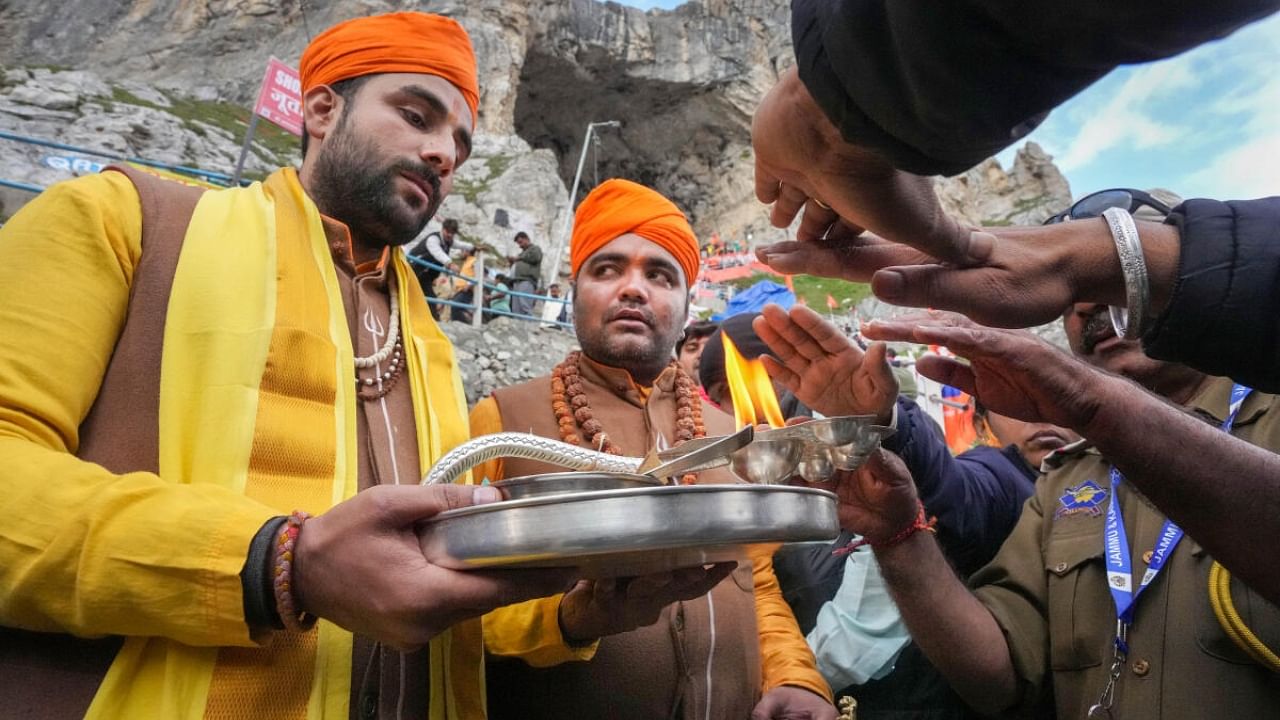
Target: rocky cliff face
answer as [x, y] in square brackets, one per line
[171, 80]
[1025, 194]
[505, 352]
[683, 85]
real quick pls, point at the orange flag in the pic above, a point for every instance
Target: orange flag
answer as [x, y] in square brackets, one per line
[957, 413]
[831, 302]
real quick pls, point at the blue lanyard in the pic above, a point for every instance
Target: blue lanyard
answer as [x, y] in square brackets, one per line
[1120, 567]
[1116, 543]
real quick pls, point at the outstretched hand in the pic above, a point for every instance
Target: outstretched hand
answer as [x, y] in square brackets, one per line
[1012, 372]
[919, 256]
[878, 499]
[595, 608]
[1030, 277]
[803, 164]
[842, 253]
[823, 368]
[360, 566]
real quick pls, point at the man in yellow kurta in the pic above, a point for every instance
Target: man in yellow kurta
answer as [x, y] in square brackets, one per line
[180, 370]
[617, 650]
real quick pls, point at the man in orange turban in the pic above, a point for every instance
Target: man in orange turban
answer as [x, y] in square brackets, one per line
[404, 42]
[298, 351]
[634, 258]
[390, 102]
[620, 207]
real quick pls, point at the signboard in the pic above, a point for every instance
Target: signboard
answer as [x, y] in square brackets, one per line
[280, 99]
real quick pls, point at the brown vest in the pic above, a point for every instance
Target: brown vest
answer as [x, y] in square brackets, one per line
[659, 671]
[47, 675]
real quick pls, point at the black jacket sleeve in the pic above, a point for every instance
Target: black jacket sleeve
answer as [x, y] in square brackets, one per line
[1224, 315]
[937, 87]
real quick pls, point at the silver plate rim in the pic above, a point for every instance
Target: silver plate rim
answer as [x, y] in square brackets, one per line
[626, 492]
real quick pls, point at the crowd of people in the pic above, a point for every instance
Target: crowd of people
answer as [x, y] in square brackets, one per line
[503, 294]
[215, 408]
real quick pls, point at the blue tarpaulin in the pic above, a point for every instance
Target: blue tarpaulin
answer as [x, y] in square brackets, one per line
[756, 297]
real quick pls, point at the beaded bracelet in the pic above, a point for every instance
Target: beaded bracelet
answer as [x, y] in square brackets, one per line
[283, 583]
[921, 522]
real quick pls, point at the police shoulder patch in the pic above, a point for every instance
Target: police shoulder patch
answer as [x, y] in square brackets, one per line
[1083, 499]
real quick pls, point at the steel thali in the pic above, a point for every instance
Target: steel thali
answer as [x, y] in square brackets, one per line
[629, 531]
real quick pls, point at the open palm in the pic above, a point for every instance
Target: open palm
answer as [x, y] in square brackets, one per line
[822, 367]
[1012, 372]
[878, 499]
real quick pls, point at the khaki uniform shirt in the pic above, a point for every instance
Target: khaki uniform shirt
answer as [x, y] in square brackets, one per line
[1047, 589]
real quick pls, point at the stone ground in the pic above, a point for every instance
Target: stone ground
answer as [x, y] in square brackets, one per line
[504, 352]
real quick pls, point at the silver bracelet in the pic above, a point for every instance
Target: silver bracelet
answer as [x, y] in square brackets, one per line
[1128, 321]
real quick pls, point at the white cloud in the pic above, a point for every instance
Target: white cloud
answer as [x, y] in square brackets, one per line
[1205, 122]
[1125, 120]
[1248, 109]
[1248, 171]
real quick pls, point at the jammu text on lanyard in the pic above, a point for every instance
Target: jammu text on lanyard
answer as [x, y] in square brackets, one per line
[1118, 557]
[1120, 565]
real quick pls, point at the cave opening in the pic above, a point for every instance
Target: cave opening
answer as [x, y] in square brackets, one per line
[673, 136]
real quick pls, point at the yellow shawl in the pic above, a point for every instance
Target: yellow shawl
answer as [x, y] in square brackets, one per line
[256, 331]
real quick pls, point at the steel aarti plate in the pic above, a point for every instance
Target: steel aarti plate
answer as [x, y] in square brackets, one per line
[614, 533]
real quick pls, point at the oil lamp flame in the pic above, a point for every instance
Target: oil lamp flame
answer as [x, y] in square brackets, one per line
[754, 401]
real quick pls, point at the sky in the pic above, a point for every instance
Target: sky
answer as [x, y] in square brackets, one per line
[1202, 124]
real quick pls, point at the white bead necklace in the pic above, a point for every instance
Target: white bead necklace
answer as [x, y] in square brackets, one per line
[393, 337]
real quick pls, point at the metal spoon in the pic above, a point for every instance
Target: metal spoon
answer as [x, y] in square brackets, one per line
[703, 457]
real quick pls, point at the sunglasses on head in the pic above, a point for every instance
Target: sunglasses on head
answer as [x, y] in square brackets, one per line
[1094, 204]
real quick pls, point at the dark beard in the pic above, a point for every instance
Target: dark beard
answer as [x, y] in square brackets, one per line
[633, 359]
[349, 188]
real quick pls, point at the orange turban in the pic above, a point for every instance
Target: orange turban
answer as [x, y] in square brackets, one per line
[403, 42]
[619, 207]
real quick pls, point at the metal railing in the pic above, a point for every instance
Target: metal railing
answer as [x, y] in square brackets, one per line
[476, 306]
[21, 186]
[206, 175]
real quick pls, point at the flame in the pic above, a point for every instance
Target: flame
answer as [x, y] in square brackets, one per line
[754, 401]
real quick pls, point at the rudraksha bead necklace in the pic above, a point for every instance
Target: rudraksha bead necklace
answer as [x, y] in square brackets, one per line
[572, 411]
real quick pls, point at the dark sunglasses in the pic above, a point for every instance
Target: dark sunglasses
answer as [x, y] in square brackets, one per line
[1093, 205]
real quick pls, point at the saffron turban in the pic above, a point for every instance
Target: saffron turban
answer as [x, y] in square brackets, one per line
[620, 207]
[403, 42]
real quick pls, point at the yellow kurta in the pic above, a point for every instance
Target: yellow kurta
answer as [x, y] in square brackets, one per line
[157, 558]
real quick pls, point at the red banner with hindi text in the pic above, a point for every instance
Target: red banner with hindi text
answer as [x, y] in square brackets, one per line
[280, 99]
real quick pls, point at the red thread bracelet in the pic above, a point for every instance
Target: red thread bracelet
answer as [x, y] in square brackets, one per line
[921, 522]
[286, 605]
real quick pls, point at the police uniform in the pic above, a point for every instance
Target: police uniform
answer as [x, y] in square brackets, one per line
[1047, 589]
